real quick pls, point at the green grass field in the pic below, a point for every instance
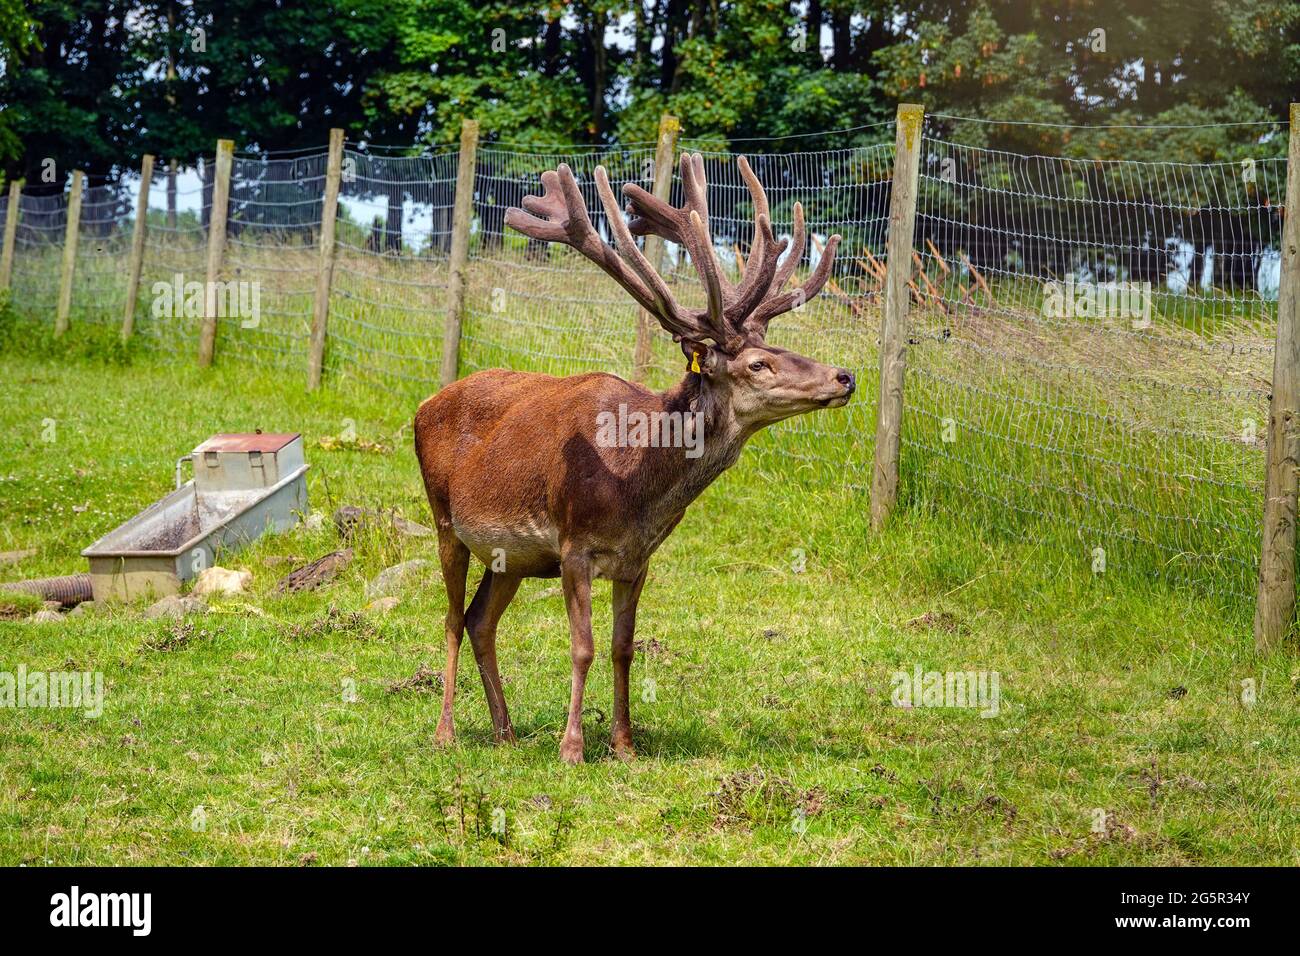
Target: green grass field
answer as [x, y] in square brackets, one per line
[1122, 735]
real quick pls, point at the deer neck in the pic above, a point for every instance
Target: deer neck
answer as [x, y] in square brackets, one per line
[681, 477]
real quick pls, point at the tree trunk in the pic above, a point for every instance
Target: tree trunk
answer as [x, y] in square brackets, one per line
[393, 224]
[842, 39]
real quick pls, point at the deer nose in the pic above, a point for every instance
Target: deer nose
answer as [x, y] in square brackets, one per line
[845, 378]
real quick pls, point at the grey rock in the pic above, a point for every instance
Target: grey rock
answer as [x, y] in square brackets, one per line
[176, 607]
[396, 577]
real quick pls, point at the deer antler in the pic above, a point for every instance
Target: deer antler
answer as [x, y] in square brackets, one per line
[733, 312]
[560, 215]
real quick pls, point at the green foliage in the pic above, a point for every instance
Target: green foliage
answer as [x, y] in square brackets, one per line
[96, 84]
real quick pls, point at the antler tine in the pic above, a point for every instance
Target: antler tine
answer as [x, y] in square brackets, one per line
[650, 214]
[694, 185]
[759, 274]
[560, 215]
[797, 243]
[756, 324]
[758, 196]
[673, 318]
[706, 264]
[744, 309]
[756, 190]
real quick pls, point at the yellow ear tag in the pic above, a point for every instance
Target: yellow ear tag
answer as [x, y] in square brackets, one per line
[695, 361]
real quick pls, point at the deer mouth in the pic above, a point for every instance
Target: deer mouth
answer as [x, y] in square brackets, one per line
[836, 401]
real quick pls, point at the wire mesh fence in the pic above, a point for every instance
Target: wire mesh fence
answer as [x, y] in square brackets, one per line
[1090, 342]
[1092, 353]
[168, 313]
[38, 247]
[387, 304]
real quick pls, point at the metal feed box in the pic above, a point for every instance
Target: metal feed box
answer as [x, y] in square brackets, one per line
[243, 486]
[237, 462]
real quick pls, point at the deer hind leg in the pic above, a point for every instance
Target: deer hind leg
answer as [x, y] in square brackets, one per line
[494, 593]
[454, 557]
[626, 595]
[575, 574]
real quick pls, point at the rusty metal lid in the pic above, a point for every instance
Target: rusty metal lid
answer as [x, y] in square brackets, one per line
[238, 444]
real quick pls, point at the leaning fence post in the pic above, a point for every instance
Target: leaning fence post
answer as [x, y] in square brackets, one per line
[1275, 600]
[216, 248]
[11, 233]
[893, 331]
[69, 253]
[136, 263]
[325, 275]
[462, 213]
[665, 150]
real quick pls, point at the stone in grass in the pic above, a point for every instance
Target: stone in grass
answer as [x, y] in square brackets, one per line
[46, 616]
[383, 605]
[83, 609]
[176, 607]
[314, 521]
[321, 571]
[218, 580]
[350, 519]
[396, 577]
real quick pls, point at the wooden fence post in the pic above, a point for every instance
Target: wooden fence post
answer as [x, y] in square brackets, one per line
[171, 194]
[136, 262]
[69, 253]
[893, 331]
[1275, 600]
[462, 213]
[11, 233]
[325, 275]
[216, 248]
[665, 151]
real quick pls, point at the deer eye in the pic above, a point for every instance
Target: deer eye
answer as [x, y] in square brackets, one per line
[758, 366]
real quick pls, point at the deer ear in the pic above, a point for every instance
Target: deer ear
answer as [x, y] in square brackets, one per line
[701, 356]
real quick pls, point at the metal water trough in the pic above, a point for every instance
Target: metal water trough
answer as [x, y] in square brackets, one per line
[243, 485]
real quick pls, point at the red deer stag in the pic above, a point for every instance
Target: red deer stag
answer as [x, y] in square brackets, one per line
[527, 473]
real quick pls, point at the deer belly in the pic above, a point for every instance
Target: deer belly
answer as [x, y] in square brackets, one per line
[520, 545]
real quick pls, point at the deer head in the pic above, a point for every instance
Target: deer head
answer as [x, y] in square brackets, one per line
[725, 340]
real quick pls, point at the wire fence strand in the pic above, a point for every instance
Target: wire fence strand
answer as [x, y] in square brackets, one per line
[1090, 340]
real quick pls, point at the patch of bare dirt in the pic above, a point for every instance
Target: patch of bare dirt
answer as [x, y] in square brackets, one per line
[996, 806]
[333, 621]
[178, 634]
[425, 680]
[755, 797]
[651, 648]
[935, 621]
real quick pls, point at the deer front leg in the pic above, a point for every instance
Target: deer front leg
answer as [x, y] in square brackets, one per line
[626, 595]
[575, 574]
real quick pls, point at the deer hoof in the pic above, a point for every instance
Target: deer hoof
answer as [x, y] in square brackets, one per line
[444, 736]
[506, 736]
[623, 749]
[571, 752]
